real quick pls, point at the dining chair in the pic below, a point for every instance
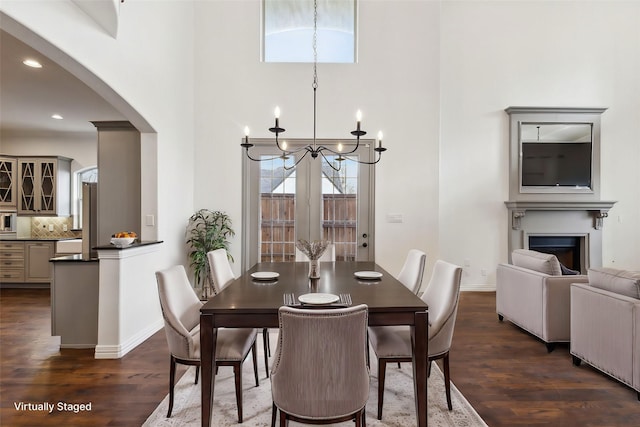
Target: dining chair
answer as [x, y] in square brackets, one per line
[222, 275]
[329, 254]
[393, 343]
[413, 270]
[319, 373]
[181, 312]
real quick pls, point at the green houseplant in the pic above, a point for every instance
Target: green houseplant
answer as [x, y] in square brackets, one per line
[207, 230]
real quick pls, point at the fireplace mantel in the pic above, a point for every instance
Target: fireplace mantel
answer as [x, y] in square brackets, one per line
[518, 209]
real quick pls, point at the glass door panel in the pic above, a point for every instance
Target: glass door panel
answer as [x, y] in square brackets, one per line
[340, 207]
[277, 209]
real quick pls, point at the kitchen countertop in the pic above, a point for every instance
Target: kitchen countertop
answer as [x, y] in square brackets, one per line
[73, 258]
[133, 245]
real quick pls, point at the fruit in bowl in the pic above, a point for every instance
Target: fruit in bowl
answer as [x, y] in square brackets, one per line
[123, 238]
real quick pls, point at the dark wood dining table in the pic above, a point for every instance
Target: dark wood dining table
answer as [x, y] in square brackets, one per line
[250, 303]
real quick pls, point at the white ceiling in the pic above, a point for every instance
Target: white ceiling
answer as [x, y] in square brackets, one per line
[29, 96]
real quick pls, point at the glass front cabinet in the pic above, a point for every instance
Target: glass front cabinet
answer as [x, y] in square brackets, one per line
[8, 193]
[44, 186]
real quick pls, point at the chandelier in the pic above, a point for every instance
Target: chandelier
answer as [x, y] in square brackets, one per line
[315, 149]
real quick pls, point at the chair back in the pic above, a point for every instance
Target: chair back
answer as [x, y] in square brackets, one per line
[221, 272]
[181, 312]
[442, 295]
[413, 270]
[329, 255]
[320, 368]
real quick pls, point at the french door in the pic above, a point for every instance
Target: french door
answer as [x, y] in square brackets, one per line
[283, 203]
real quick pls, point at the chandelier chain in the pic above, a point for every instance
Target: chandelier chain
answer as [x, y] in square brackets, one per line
[315, 44]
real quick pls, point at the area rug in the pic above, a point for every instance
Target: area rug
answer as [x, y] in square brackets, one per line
[398, 410]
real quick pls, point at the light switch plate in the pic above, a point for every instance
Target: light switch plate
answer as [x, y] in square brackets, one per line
[395, 218]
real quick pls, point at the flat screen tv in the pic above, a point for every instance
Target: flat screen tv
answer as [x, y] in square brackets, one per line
[556, 164]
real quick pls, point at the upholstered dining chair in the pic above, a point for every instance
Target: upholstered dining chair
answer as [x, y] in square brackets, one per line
[413, 270]
[222, 275]
[181, 312]
[393, 343]
[319, 373]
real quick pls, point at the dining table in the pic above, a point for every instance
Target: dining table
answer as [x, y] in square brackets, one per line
[253, 299]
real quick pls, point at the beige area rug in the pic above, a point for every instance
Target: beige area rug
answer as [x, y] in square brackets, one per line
[398, 410]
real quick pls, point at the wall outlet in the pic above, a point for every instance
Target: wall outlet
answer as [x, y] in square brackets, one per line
[64, 227]
[50, 227]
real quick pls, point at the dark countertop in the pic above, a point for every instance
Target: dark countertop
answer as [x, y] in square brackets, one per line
[73, 258]
[133, 245]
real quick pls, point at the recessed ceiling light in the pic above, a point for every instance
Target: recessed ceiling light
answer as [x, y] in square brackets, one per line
[57, 117]
[32, 63]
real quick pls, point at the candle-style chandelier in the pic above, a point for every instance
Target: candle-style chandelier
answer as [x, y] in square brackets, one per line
[314, 148]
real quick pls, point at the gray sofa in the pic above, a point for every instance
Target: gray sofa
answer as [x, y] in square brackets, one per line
[605, 324]
[532, 293]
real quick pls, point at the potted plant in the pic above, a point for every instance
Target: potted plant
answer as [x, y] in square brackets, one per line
[207, 230]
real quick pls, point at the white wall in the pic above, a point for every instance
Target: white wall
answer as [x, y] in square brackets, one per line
[497, 54]
[395, 84]
[81, 147]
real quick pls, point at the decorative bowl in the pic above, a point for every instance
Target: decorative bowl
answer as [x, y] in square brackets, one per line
[121, 242]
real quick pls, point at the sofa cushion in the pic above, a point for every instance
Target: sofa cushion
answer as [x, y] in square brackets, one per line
[621, 282]
[537, 261]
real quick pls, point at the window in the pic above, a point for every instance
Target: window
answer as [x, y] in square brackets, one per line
[288, 31]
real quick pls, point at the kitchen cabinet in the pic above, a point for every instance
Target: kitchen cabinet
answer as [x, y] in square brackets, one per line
[44, 186]
[11, 261]
[37, 256]
[26, 262]
[8, 193]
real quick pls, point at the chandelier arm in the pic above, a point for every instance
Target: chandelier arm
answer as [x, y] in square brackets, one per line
[261, 160]
[286, 152]
[339, 153]
[362, 162]
[329, 163]
[296, 163]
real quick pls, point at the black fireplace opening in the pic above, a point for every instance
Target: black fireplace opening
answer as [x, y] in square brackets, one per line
[565, 248]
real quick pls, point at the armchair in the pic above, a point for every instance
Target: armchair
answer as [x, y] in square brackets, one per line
[605, 324]
[532, 293]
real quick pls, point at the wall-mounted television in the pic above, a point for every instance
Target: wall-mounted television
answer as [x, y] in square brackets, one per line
[556, 156]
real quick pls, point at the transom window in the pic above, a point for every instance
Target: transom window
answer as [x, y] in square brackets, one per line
[288, 31]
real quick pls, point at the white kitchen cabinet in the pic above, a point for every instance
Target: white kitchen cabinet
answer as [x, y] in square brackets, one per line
[44, 186]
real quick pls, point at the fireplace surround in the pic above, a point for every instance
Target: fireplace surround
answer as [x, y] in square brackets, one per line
[560, 213]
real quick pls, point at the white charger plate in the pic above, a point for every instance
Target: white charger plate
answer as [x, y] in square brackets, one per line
[318, 298]
[265, 275]
[368, 275]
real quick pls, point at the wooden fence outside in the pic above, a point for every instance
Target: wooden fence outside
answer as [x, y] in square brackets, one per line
[277, 226]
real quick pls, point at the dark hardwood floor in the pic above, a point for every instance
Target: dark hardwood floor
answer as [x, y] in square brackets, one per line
[505, 373]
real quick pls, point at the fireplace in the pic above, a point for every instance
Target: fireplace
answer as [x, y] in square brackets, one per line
[566, 248]
[570, 230]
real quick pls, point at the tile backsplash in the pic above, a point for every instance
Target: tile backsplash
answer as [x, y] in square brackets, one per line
[48, 227]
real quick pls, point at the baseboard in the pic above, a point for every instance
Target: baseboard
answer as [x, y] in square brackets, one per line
[116, 351]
